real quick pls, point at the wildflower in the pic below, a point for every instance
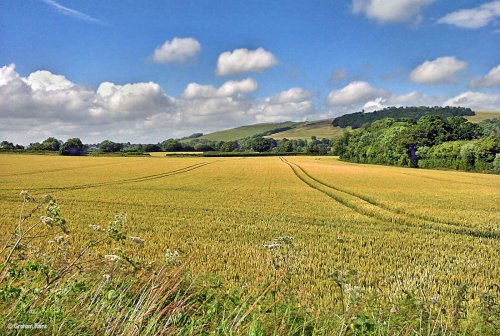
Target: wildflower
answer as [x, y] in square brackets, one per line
[60, 239]
[171, 256]
[434, 299]
[112, 257]
[272, 246]
[26, 196]
[47, 220]
[106, 277]
[96, 227]
[137, 240]
[393, 310]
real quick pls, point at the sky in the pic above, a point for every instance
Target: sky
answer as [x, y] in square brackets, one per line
[146, 71]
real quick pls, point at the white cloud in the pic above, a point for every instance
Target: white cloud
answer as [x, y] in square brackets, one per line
[228, 89]
[243, 60]
[129, 101]
[232, 88]
[491, 79]
[178, 50]
[354, 93]
[473, 18]
[45, 80]
[439, 71]
[293, 104]
[41, 94]
[475, 100]
[385, 11]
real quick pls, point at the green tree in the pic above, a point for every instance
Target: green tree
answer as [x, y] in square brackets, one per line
[108, 146]
[229, 146]
[5, 145]
[73, 146]
[260, 144]
[51, 144]
[171, 145]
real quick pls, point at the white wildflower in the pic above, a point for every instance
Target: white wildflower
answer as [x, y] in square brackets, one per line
[172, 256]
[47, 220]
[60, 239]
[271, 246]
[137, 240]
[112, 257]
[106, 277]
[96, 227]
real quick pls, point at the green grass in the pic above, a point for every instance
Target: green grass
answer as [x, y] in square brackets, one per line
[301, 130]
[247, 131]
[483, 115]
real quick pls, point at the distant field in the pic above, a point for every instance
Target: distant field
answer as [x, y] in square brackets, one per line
[483, 115]
[246, 131]
[396, 229]
[320, 129]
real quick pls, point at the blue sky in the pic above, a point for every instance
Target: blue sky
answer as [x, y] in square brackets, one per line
[88, 68]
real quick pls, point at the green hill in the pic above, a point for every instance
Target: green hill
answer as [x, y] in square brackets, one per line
[304, 130]
[320, 129]
[250, 130]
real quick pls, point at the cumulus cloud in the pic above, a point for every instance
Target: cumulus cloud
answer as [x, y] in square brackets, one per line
[244, 60]
[384, 11]
[491, 79]
[178, 50]
[354, 93]
[475, 100]
[293, 104]
[439, 71]
[41, 94]
[129, 101]
[228, 89]
[473, 18]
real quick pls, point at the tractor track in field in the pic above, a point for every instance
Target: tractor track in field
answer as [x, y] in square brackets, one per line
[124, 181]
[367, 207]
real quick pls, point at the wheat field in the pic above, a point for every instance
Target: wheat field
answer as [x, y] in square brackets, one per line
[393, 230]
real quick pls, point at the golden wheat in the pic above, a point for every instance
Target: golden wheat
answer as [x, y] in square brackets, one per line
[396, 229]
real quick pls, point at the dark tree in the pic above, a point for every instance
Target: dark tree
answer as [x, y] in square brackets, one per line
[73, 146]
[260, 144]
[5, 145]
[51, 144]
[171, 145]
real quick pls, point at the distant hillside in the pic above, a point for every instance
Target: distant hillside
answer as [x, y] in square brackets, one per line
[304, 130]
[320, 129]
[250, 130]
[483, 115]
[358, 119]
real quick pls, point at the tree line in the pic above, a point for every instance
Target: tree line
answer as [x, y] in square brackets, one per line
[358, 119]
[430, 142]
[256, 144]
